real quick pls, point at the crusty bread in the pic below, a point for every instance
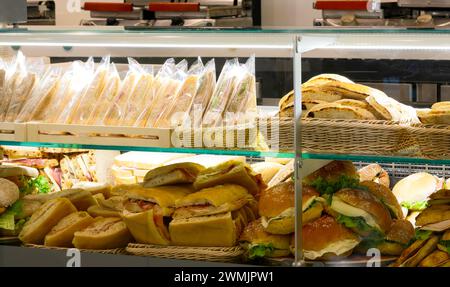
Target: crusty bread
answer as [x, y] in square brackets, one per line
[337, 111]
[348, 90]
[353, 103]
[441, 106]
[320, 94]
[374, 172]
[326, 78]
[439, 116]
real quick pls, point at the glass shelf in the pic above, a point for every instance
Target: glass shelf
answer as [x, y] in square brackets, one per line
[248, 153]
[376, 158]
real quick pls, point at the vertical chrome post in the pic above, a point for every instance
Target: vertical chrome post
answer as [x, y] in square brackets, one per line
[298, 151]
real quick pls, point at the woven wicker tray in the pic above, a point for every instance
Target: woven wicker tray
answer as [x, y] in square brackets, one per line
[107, 251]
[332, 136]
[212, 254]
[433, 140]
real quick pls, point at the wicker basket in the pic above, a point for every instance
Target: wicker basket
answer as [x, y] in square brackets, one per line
[212, 254]
[107, 251]
[433, 140]
[332, 136]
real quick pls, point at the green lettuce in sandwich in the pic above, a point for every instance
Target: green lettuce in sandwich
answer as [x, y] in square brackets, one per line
[258, 243]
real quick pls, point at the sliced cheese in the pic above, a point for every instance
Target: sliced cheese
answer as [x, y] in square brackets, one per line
[351, 211]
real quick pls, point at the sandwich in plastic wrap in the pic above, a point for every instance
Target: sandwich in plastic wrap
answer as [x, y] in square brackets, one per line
[85, 105]
[207, 83]
[142, 94]
[67, 99]
[41, 97]
[108, 94]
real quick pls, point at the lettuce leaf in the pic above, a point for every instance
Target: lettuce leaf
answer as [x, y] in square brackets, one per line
[39, 184]
[446, 243]
[260, 250]
[7, 219]
[415, 206]
[423, 234]
[360, 224]
[329, 187]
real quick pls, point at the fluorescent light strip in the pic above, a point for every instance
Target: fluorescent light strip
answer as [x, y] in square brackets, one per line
[386, 47]
[148, 45]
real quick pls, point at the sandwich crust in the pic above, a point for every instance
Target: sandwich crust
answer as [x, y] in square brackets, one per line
[254, 233]
[325, 232]
[333, 171]
[402, 231]
[164, 196]
[374, 172]
[277, 199]
[433, 215]
[385, 195]
[230, 172]
[441, 194]
[366, 201]
[173, 174]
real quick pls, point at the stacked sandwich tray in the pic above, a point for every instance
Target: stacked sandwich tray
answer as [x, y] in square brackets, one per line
[89, 103]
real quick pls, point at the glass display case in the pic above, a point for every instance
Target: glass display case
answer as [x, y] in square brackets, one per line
[367, 168]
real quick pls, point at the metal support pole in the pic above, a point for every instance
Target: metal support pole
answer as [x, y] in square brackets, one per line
[298, 152]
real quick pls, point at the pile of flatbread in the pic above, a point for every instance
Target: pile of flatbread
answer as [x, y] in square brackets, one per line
[331, 96]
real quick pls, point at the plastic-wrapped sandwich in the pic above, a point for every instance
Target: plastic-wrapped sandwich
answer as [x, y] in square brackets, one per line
[67, 99]
[85, 104]
[241, 107]
[166, 94]
[41, 97]
[179, 107]
[207, 84]
[19, 81]
[142, 94]
[226, 84]
[107, 95]
[117, 111]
